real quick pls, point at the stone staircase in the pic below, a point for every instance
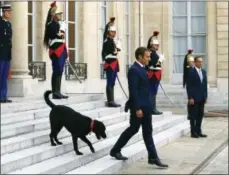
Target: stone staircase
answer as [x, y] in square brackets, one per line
[25, 146]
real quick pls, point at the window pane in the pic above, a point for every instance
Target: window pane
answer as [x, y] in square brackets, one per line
[199, 44]
[103, 17]
[71, 35]
[71, 56]
[71, 11]
[198, 8]
[127, 7]
[30, 29]
[30, 54]
[178, 64]
[104, 3]
[127, 24]
[198, 25]
[179, 45]
[180, 25]
[179, 8]
[30, 6]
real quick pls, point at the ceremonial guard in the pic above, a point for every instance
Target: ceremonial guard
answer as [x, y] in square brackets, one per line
[54, 40]
[5, 51]
[187, 65]
[154, 68]
[110, 59]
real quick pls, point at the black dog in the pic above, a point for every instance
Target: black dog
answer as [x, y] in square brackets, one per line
[77, 124]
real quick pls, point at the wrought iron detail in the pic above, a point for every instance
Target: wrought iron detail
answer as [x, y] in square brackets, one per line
[80, 68]
[102, 72]
[37, 69]
[127, 68]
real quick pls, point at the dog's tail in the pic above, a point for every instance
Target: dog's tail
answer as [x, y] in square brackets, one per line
[47, 100]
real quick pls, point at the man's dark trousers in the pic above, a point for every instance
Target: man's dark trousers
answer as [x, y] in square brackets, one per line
[4, 71]
[147, 130]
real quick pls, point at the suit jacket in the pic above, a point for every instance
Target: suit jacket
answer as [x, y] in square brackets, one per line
[196, 89]
[139, 94]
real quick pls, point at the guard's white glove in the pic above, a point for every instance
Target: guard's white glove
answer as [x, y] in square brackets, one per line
[62, 26]
[118, 43]
[161, 58]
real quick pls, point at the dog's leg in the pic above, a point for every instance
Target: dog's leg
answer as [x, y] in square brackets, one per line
[84, 138]
[51, 139]
[75, 145]
[57, 131]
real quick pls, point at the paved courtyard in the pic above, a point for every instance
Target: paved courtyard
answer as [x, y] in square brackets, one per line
[186, 154]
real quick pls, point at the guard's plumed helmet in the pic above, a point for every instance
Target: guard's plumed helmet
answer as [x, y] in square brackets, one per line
[154, 38]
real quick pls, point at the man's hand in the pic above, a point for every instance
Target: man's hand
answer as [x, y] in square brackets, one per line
[139, 113]
[191, 101]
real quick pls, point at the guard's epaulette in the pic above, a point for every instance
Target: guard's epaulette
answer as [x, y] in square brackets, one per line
[105, 40]
[49, 23]
[188, 66]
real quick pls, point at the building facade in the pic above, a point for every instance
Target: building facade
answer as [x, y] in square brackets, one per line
[202, 26]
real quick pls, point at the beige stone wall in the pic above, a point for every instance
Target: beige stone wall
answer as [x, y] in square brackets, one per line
[222, 45]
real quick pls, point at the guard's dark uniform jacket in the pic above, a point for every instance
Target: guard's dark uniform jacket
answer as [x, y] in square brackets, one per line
[185, 69]
[5, 40]
[109, 54]
[154, 73]
[57, 45]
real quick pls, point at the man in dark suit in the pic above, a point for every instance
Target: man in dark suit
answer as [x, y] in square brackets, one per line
[141, 108]
[197, 96]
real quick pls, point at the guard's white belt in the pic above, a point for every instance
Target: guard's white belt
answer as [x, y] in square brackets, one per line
[154, 68]
[56, 41]
[111, 56]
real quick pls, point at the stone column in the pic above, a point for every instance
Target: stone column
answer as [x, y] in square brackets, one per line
[21, 83]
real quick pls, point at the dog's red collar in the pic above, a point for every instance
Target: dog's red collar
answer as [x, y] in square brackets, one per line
[92, 125]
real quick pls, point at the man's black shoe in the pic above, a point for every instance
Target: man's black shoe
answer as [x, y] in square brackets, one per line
[194, 135]
[6, 101]
[56, 96]
[155, 112]
[118, 156]
[157, 162]
[202, 135]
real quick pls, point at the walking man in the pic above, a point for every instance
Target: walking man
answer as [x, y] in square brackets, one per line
[55, 42]
[111, 66]
[197, 96]
[154, 68]
[5, 51]
[140, 105]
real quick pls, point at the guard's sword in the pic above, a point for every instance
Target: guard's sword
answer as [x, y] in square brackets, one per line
[166, 94]
[73, 70]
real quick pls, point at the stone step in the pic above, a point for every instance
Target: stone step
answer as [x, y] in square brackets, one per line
[108, 165]
[16, 117]
[38, 104]
[43, 159]
[43, 123]
[24, 141]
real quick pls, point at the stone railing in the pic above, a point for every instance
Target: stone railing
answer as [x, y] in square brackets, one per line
[37, 69]
[80, 68]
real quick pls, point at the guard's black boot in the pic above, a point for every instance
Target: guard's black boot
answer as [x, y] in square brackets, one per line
[157, 162]
[155, 111]
[59, 87]
[110, 98]
[54, 82]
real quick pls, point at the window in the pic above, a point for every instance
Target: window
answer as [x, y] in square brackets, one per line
[103, 21]
[71, 12]
[127, 27]
[140, 17]
[31, 31]
[189, 31]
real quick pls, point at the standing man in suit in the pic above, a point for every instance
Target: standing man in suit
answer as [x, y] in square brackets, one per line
[197, 96]
[141, 108]
[5, 51]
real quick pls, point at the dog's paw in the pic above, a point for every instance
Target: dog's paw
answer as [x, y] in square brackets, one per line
[92, 150]
[59, 143]
[78, 153]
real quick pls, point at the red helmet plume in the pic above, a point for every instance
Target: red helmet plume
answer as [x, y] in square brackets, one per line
[155, 33]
